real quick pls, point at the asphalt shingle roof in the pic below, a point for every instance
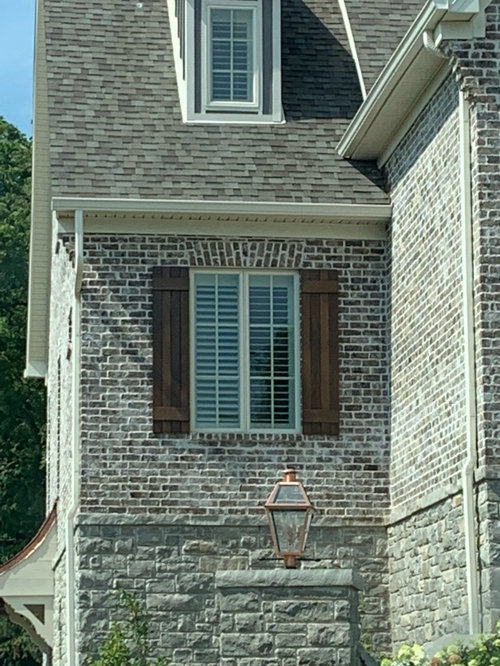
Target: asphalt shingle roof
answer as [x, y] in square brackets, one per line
[378, 27]
[116, 127]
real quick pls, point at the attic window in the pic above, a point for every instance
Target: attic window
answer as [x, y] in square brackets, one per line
[232, 68]
[228, 60]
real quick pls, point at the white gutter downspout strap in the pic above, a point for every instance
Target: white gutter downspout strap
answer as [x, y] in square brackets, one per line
[75, 472]
[470, 463]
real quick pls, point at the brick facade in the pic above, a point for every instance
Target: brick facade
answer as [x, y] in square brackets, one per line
[216, 483]
[427, 340]
[169, 516]
[209, 474]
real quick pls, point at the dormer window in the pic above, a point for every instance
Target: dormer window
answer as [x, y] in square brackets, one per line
[232, 68]
[228, 60]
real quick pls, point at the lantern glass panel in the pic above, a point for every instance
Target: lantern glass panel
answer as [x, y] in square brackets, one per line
[290, 527]
[289, 495]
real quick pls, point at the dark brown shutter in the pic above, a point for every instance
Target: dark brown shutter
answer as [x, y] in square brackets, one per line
[320, 361]
[171, 349]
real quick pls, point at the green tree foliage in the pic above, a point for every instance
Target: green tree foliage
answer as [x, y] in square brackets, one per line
[22, 401]
[128, 642]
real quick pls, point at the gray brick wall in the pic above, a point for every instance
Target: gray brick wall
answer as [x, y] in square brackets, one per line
[59, 380]
[425, 539]
[427, 405]
[477, 67]
[427, 400]
[126, 468]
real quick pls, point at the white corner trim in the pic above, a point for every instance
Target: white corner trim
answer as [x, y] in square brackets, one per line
[352, 44]
[176, 46]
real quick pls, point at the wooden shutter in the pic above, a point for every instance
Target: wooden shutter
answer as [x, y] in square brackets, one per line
[320, 362]
[171, 349]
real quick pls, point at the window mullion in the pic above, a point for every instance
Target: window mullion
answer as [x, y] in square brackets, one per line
[217, 355]
[271, 348]
[245, 352]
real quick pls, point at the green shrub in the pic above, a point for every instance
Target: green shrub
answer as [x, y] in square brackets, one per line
[127, 643]
[485, 651]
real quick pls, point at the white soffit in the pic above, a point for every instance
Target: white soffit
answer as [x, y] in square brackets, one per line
[225, 218]
[407, 77]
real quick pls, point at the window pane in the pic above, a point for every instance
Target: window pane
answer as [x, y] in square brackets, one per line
[272, 343]
[216, 355]
[231, 55]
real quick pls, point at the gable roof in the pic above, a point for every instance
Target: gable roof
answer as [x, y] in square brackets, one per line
[115, 121]
[377, 29]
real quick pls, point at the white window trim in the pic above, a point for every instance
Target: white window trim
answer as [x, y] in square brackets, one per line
[226, 106]
[229, 117]
[245, 353]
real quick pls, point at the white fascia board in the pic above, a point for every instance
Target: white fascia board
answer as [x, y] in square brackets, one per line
[342, 211]
[40, 238]
[412, 65]
[388, 80]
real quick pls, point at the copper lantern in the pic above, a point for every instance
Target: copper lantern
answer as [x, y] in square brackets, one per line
[289, 512]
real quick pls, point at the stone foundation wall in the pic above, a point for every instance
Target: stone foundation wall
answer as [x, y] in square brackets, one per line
[207, 588]
[489, 552]
[427, 584]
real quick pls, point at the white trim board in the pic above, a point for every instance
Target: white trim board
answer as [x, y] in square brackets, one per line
[408, 73]
[374, 212]
[227, 226]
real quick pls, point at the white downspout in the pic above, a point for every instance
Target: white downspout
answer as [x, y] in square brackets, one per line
[470, 462]
[75, 471]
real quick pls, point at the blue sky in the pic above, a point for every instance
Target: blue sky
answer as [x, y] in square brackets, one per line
[16, 62]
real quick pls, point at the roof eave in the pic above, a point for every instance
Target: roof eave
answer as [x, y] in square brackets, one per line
[407, 75]
[334, 211]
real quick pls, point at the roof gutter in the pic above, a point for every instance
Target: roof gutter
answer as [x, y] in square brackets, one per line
[373, 212]
[446, 18]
